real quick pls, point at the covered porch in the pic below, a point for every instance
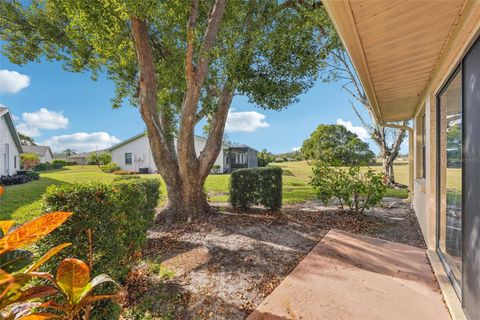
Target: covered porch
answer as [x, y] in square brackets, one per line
[418, 62]
[350, 276]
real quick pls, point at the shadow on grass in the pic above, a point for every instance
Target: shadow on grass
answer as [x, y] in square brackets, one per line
[23, 197]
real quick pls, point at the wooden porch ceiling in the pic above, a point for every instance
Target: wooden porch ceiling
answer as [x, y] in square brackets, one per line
[394, 46]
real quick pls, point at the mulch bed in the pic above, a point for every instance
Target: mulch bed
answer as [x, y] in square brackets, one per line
[226, 266]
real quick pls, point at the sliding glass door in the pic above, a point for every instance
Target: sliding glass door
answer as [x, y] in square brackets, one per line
[458, 180]
[450, 177]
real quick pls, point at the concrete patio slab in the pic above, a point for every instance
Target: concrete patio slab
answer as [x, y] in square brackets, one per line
[348, 276]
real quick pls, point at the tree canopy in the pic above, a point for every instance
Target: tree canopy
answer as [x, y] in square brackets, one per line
[26, 140]
[335, 145]
[265, 157]
[180, 62]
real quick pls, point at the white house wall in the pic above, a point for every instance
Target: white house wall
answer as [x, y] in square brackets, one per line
[7, 138]
[142, 155]
[46, 158]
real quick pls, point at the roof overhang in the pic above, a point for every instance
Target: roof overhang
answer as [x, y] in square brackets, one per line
[395, 47]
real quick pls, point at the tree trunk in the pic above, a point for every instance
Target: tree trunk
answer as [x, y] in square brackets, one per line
[387, 168]
[186, 201]
[182, 171]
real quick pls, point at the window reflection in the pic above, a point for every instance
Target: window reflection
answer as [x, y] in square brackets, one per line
[450, 235]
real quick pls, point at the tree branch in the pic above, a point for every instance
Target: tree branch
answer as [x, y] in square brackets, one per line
[214, 141]
[195, 77]
[147, 95]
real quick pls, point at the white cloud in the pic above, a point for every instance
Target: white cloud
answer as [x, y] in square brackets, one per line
[246, 121]
[12, 81]
[295, 149]
[45, 119]
[81, 141]
[27, 130]
[361, 132]
[32, 122]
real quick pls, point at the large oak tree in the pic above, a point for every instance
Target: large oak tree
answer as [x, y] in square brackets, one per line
[179, 62]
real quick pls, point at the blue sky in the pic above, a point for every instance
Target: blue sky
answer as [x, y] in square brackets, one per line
[69, 110]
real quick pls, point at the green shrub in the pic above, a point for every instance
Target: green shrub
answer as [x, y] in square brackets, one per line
[123, 172]
[117, 214]
[110, 167]
[256, 186]
[57, 164]
[33, 175]
[29, 160]
[42, 167]
[351, 187]
[126, 177]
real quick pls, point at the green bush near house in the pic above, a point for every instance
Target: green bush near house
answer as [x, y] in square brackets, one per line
[58, 164]
[350, 186]
[117, 215]
[110, 167]
[33, 175]
[255, 186]
[42, 167]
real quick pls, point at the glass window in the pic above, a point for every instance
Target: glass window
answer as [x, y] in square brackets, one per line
[128, 158]
[450, 176]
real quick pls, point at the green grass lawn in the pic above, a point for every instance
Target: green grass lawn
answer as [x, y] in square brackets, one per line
[23, 202]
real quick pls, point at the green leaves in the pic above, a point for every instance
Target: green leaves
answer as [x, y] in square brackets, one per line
[335, 145]
[350, 186]
[256, 186]
[15, 260]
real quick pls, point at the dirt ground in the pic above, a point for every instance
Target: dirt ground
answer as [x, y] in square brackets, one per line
[224, 267]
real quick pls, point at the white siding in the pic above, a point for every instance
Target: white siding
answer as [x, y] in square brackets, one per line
[142, 154]
[6, 138]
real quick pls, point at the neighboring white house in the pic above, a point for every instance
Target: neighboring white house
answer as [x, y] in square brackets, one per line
[134, 154]
[10, 146]
[44, 153]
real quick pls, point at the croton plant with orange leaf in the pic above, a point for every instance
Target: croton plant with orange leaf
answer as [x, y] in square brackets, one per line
[72, 281]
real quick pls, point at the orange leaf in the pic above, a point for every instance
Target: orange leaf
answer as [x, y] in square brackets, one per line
[52, 305]
[37, 292]
[2, 191]
[47, 257]
[6, 225]
[90, 300]
[5, 277]
[73, 276]
[40, 316]
[32, 231]
[7, 280]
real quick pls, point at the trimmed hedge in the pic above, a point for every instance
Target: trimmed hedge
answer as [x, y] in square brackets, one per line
[42, 167]
[118, 215]
[58, 164]
[256, 186]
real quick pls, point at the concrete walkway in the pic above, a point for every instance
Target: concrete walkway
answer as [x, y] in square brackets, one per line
[348, 276]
